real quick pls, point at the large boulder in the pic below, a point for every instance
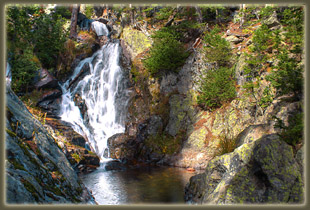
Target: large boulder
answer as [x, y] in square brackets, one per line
[136, 41]
[263, 171]
[46, 80]
[37, 170]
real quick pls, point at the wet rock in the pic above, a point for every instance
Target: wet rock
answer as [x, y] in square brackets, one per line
[46, 80]
[103, 40]
[115, 165]
[83, 72]
[155, 125]
[263, 171]
[78, 140]
[52, 107]
[119, 147]
[50, 95]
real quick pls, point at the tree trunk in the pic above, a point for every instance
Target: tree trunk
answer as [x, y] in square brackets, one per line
[242, 18]
[74, 18]
[199, 18]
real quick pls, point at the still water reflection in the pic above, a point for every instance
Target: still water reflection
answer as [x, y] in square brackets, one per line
[146, 185]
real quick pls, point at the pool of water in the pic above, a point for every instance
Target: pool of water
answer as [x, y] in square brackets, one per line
[144, 185]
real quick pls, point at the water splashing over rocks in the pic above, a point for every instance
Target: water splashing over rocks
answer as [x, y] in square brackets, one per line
[95, 98]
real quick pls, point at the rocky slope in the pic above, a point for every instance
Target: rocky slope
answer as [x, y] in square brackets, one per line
[262, 171]
[165, 125]
[37, 171]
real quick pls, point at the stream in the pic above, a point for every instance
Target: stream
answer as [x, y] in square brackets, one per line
[102, 84]
[144, 185]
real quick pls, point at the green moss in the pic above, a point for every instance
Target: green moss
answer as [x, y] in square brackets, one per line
[16, 164]
[76, 157]
[164, 143]
[31, 189]
[11, 133]
[136, 39]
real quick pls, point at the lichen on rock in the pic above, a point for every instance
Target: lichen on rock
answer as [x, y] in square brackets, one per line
[263, 171]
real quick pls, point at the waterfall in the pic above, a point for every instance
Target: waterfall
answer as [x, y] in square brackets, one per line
[8, 74]
[99, 28]
[104, 91]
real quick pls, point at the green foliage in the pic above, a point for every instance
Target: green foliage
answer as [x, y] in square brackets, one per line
[217, 87]
[23, 69]
[89, 11]
[266, 98]
[164, 143]
[293, 133]
[63, 11]
[266, 12]
[167, 53]
[164, 13]
[34, 39]
[262, 38]
[149, 11]
[289, 75]
[49, 38]
[216, 48]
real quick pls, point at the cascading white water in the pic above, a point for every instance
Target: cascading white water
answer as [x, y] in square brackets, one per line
[100, 28]
[105, 93]
[8, 74]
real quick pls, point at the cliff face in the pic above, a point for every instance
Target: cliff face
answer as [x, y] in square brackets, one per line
[167, 127]
[37, 171]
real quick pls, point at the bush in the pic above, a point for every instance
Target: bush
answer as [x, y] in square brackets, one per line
[167, 53]
[289, 75]
[49, 38]
[217, 87]
[89, 11]
[226, 145]
[217, 49]
[164, 13]
[24, 69]
[293, 133]
[34, 39]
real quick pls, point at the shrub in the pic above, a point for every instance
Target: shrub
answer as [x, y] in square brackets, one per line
[289, 75]
[89, 10]
[164, 13]
[217, 49]
[34, 39]
[167, 53]
[226, 145]
[23, 70]
[293, 133]
[49, 39]
[217, 87]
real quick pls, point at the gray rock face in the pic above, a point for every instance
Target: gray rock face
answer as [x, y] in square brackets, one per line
[36, 168]
[272, 22]
[46, 80]
[181, 114]
[155, 125]
[263, 171]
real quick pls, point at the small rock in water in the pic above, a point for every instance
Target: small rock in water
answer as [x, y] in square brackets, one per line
[114, 165]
